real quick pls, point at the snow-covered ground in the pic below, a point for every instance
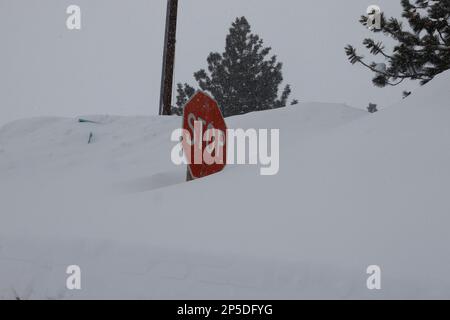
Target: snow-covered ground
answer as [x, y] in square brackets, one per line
[354, 190]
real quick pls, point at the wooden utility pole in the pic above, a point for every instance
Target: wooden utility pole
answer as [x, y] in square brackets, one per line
[165, 103]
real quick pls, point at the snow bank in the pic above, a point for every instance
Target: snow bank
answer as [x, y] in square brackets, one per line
[354, 190]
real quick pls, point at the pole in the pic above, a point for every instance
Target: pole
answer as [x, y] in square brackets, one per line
[165, 103]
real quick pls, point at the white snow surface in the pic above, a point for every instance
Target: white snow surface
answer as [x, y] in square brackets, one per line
[353, 190]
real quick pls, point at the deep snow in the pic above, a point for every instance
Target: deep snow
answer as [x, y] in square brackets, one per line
[354, 190]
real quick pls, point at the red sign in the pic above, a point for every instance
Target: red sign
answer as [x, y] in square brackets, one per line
[204, 137]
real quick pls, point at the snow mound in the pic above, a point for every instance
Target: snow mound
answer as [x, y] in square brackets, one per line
[353, 190]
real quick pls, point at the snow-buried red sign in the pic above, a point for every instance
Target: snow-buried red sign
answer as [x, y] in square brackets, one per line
[204, 136]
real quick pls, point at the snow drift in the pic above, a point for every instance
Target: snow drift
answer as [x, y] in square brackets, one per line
[353, 190]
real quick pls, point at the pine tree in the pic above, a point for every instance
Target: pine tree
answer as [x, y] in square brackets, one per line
[421, 53]
[372, 108]
[243, 78]
[185, 92]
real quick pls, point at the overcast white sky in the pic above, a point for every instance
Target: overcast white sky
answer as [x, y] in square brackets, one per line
[113, 65]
